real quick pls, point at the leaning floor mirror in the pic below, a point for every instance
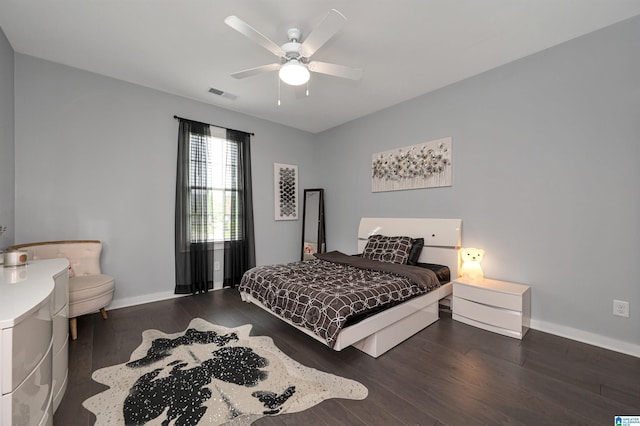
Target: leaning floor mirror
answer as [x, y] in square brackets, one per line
[313, 231]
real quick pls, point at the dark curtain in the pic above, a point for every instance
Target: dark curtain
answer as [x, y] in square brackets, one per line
[194, 254]
[239, 250]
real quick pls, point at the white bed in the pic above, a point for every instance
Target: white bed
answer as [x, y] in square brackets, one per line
[377, 334]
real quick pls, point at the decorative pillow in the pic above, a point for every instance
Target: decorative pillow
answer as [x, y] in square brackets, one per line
[416, 249]
[387, 249]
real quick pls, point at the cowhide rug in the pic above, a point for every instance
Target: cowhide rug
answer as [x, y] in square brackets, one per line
[212, 375]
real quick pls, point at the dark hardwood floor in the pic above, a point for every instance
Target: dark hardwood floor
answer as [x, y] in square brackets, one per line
[449, 373]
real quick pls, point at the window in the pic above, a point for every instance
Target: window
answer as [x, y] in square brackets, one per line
[214, 191]
[214, 206]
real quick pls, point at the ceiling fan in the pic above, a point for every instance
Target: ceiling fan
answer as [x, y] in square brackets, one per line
[295, 64]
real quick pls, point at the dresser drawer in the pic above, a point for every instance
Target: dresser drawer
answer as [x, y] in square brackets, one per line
[504, 318]
[488, 296]
[60, 372]
[61, 291]
[60, 328]
[30, 402]
[26, 344]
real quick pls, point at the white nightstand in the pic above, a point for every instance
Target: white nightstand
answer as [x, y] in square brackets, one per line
[498, 306]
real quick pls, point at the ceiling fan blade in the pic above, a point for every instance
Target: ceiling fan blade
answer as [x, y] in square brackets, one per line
[255, 71]
[248, 31]
[335, 70]
[330, 24]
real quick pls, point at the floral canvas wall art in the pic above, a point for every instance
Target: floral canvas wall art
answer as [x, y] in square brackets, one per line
[424, 165]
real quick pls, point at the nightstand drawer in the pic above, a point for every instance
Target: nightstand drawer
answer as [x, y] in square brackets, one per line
[488, 296]
[504, 318]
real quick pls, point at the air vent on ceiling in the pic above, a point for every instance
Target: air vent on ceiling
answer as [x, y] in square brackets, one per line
[223, 94]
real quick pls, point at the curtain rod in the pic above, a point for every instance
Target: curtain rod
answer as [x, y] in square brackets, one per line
[209, 124]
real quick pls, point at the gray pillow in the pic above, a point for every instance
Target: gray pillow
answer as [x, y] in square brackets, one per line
[416, 249]
[388, 249]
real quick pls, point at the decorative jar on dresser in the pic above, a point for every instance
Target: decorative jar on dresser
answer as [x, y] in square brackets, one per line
[498, 306]
[33, 341]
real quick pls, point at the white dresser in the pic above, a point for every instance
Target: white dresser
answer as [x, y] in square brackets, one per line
[498, 306]
[33, 341]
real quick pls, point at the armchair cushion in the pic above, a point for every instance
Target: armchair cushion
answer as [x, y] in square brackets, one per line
[89, 293]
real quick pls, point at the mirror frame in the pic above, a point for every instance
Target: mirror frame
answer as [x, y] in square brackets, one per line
[322, 243]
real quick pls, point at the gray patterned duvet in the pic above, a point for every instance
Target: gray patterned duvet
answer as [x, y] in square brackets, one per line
[322, 294]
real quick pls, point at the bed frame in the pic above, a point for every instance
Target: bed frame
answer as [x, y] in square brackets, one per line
[377, 334]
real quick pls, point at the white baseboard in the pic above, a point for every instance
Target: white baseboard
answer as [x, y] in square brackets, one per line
[140, 300]
[587, 337]
[148, 298]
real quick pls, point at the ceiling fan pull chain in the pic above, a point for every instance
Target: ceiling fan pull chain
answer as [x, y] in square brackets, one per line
[307, 88]
[278, 91]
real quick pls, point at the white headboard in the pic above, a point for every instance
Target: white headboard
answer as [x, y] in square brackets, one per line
[442, 237]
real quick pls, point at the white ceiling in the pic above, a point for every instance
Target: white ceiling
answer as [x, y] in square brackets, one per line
[405, 47]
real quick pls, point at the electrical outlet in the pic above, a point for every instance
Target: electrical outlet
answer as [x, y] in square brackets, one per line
[621, 308]
[216, 266]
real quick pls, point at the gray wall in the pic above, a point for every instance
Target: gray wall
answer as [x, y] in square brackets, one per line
[545, 156]
[546, 175]
[95, 158]
[6, 142]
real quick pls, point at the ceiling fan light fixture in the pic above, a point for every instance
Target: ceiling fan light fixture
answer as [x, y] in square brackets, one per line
[294, 73]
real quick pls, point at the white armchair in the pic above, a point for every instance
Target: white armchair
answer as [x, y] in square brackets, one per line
[89, 289]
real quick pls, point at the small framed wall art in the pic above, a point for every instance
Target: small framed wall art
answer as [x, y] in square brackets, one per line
[285, 178]
[425, 165]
